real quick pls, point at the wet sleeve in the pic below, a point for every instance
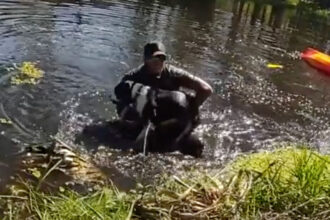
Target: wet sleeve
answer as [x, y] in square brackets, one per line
[182, 77]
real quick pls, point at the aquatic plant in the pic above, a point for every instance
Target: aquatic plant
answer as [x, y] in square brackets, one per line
[292, 2]
[28, 74]
[280, 2]
[323, 13]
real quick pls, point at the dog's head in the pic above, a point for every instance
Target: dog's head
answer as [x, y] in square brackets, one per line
[123, 91]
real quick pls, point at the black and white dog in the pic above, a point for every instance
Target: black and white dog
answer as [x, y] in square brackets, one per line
[155, 105]
[172, 114]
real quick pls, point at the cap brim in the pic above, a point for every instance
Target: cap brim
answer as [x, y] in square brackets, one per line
[159, 53]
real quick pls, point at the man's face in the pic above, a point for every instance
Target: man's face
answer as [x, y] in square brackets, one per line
[155, 64]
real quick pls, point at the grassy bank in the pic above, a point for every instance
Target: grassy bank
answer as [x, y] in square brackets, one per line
[291, 183]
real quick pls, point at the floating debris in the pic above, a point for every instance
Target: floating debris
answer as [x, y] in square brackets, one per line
[55, 164]
[28, 74]
[5, 121]
[274, 66]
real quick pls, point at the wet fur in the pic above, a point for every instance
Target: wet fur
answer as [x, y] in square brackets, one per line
[172, 114]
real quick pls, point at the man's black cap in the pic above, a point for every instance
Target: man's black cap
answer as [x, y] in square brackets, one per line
[153, 49]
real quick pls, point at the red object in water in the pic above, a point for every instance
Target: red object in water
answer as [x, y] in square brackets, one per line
[317, 59]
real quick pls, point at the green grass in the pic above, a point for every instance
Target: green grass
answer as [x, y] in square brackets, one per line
[106, 203]
[290, 183]
[292, 2]
[280, 2]
[286, 184]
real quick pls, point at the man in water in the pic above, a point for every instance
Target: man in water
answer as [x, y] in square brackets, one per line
[158, 75]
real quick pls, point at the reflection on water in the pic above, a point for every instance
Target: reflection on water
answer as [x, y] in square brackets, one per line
[85, 46]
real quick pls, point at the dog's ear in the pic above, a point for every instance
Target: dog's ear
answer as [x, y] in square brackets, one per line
[123, 91]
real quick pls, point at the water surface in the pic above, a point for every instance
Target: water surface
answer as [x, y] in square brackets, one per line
[84, 47]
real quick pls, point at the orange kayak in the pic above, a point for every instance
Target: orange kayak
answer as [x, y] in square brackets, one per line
[317, 59]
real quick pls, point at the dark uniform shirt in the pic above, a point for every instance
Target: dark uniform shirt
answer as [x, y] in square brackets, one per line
[170, 78]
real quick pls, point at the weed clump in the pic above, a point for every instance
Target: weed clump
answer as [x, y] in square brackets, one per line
[29, 73]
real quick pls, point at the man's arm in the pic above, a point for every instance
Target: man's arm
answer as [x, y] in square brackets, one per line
[202, 89]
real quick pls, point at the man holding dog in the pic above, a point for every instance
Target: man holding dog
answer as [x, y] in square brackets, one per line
[159, 75]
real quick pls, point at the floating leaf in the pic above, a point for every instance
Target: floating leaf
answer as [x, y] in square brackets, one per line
[274, 66]
[5, 121]
[35, 172]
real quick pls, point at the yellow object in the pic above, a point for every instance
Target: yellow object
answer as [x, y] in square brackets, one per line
[28, 74]
[274, 66]
[35, 172]
[5, 121]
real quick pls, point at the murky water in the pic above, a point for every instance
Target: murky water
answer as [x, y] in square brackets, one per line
[84, 47]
